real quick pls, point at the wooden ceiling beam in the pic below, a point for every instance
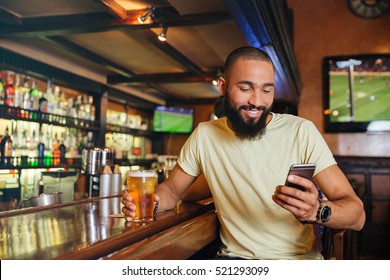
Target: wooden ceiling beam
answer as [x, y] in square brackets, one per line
[87, 54]
[8, 17]
[172, 52]
[163, 78]
[99, 22]
[115, 9]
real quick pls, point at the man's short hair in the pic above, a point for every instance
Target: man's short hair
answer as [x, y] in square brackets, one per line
[249, 53]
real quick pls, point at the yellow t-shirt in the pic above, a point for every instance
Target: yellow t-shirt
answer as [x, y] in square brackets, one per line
[243, 174]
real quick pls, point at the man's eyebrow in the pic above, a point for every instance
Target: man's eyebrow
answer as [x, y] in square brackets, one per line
[245, 82]
[252, 83]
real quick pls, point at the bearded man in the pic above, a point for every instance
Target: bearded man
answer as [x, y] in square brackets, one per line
[245, 157]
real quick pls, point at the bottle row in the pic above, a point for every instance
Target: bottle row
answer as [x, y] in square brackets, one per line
[23, 139]
[129, 147]
[24, 92]
[32, 144]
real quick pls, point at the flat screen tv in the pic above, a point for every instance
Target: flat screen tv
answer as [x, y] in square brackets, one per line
[357, 93]
[173, 119]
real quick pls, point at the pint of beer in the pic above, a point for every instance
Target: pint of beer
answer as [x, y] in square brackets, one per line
[141, 186]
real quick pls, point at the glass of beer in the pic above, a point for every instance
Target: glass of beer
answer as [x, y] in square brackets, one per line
[141, 184]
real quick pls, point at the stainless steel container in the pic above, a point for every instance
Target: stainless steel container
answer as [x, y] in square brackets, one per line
[107, 158]
[93, 162]
[94, 159]
[44, 200]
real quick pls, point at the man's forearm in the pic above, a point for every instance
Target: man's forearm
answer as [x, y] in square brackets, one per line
[167, 198]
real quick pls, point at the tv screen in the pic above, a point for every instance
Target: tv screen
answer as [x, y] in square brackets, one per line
[173, 119]
[357, 93]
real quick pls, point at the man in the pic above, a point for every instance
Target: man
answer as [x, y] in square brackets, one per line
[245, 158]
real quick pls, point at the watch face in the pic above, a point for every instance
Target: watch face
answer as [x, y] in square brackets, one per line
[326, 212]
[369, 8]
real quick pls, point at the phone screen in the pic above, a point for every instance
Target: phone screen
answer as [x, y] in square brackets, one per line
[305, 170]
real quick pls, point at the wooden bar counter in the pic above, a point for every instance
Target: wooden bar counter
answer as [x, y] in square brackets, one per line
[95, 229]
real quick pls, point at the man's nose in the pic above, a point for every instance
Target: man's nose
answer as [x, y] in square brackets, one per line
[256, 99]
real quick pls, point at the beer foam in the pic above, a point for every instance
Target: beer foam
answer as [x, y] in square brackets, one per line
[142, 174]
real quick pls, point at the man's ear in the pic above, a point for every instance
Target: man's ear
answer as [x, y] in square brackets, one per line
[222, 86]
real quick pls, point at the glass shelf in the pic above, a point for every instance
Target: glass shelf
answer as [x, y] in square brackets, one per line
[25, 162]
[15, 113]
[128, 130]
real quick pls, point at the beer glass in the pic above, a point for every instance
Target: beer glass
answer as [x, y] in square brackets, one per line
[141, 184]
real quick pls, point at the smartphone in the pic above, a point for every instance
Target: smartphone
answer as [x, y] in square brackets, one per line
[305, 170]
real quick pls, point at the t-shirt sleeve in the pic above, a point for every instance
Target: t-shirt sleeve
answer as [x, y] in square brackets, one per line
[189, 155]
[314, 148]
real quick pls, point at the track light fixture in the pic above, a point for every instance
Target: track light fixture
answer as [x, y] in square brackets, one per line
[163, 35]
[148, 13]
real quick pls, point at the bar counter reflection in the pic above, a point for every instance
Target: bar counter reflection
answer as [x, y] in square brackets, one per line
[89, 229]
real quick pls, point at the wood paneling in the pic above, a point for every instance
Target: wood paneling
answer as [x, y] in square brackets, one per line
[324, 28]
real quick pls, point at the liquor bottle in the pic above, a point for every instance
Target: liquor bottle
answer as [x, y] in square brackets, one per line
[41, 149]
[71, 109]
[43, 103]
[55, 143]
[57, 100]
[92, 109]
[63, 104]
[1, 89]
[137, 146]
[18, 93]
[6, 148]
[62, 150]
[90, 142]
[56, 150]
[50, 96]
[34, 96]
[9, 91]
[80, 107]
[33, 153]
[26, 98]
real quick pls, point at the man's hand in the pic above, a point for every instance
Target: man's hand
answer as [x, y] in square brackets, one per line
[302, 204]
[129, 207]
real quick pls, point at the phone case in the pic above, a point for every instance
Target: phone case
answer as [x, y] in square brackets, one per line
[305, 170]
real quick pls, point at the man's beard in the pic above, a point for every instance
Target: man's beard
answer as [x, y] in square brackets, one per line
[250, 129]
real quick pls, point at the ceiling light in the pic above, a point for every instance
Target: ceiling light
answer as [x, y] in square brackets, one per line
[148, 13]
[163, 35]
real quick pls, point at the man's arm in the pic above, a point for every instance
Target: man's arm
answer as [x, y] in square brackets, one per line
[171, 190]
[347, 208]
[167, 193]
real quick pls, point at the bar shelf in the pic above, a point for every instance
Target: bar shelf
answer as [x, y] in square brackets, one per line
[25, 162]
[16, 113]
[127, 130]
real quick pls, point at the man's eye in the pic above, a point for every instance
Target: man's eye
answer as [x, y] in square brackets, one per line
[245, 89]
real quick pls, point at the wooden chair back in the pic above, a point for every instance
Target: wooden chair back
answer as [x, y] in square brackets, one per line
[339, 244]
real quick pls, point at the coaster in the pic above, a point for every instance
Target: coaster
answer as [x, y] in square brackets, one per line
[120, 215]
